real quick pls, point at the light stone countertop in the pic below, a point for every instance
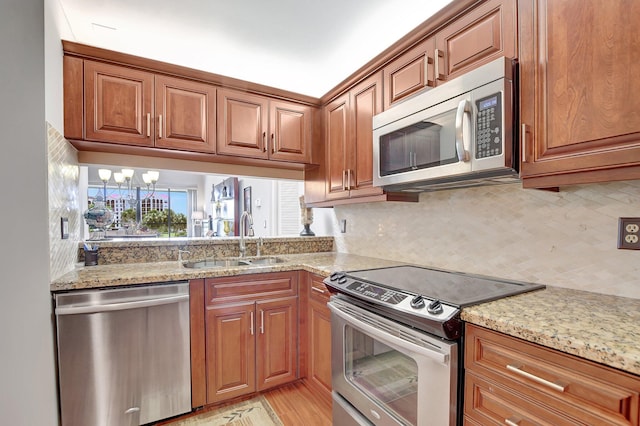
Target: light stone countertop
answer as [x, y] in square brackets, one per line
[598, 327]
[601, 328]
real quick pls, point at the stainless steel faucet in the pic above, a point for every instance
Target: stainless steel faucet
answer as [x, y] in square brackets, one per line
[243, 244]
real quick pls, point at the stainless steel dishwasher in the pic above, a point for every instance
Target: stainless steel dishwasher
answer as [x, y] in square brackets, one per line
[123, 354]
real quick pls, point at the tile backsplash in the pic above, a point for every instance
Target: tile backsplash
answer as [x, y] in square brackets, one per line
[63, 183]
[566, 239]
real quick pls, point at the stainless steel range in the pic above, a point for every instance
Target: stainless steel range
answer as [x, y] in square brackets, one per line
[397, 342]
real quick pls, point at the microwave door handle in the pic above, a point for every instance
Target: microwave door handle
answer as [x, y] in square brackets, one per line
[464, 108]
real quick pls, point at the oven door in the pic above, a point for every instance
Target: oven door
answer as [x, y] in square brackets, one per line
[391, 374]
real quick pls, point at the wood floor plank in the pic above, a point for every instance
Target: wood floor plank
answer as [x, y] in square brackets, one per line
[297, 404]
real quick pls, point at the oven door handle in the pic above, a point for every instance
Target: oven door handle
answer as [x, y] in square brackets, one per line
[401, 343]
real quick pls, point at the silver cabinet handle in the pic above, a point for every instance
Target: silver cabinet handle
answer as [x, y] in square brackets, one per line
[464, 108]
[523, 139]
[261, 322]
[273, 143]
[344, 180]
[251, 323]
[348, 178]
[428, 61]
[318, 290]
[518, 370]
[148, 124]
[264, 141]
[160, 126]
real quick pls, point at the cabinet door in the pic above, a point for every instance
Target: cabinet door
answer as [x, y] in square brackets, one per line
[319, 335]
[230, 351]
[579, 62]
[242, 124]
[409, 73]
[337, 134]
[290, 131]
[366, 101]
[277, 331]
[481, 35]
[118, 104]
[186, 114]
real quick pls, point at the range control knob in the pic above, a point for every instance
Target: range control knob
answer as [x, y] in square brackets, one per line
[435, 307]
[417, 302]
[334, 276]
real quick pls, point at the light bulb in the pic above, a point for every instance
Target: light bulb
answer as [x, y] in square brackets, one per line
[146, 178]
[105, 174]
[153, 175]
[128, 173]
[118, 177]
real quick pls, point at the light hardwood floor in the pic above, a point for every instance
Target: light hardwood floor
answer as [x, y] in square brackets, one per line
[295, 404]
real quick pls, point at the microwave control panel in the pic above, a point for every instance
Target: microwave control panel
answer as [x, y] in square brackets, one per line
[489, 129]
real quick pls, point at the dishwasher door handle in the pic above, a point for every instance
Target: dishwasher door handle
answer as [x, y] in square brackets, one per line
[92, 309]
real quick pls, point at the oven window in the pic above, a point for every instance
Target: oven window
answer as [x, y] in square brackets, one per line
[382, 373]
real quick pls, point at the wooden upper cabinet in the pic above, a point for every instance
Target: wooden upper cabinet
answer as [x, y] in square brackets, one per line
[133, 107]
[478, 36]
[186, 114]
[410, 72]
[257, 127]
[366, 101]
[242, 124]
[580, 120]
[483, 34]
[349, 133]
[118, 104]
[290, 131]
[337, 134]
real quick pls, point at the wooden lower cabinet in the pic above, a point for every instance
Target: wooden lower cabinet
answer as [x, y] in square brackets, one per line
[511, 381]
[319, 336]
[251, 333]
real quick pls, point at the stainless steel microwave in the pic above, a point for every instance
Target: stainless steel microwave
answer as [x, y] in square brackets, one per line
[459, 134]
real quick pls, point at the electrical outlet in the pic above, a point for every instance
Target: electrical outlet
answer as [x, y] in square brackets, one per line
[629, 233]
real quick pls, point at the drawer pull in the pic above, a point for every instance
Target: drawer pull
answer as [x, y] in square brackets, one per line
[319, 290]
[518, 370]
[512, 421]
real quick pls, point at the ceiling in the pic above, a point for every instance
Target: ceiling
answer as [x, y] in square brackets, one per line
[304, 46]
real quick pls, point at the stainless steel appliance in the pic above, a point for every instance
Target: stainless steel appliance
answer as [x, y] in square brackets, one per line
[397, 343]
[461, 133]
[123, 354]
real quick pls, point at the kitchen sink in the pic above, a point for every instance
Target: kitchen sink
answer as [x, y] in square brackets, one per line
[233, 261]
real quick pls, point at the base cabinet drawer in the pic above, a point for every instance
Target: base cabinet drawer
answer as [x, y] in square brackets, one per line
[584, 391]
[487, 403]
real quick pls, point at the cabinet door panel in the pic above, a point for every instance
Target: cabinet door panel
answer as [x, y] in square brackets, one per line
[290, 129]
[242, 124]
[320, 345]
[230, 349]
[409, 73]
[578, 99]
[366, 101]
[277, 341]
[483, 34]
[186, 114]
[337, 122]
[118, 104]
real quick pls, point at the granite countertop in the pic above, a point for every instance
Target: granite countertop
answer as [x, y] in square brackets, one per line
[598, 327]
[322, 263]
[601, 328]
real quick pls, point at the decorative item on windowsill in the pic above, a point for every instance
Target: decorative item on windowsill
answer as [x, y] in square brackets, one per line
[99, 217]
[306, 217]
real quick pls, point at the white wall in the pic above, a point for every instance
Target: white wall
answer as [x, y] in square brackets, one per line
[27, 370]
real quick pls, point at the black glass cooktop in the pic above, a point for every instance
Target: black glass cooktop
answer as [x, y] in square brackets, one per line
[454, 288]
